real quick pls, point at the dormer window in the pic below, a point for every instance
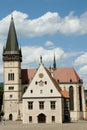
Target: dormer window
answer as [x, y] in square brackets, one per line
[70, 80]
[58, 81]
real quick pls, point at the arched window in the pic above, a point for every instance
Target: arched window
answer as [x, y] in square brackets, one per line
[71, 94]
[80, 98]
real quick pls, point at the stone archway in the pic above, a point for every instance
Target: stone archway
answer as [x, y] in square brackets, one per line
[41, 118]
[10, 117]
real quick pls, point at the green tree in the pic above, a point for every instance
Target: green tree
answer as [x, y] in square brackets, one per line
[1, 97]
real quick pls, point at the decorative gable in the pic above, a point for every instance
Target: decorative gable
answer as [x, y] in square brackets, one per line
[43, 85]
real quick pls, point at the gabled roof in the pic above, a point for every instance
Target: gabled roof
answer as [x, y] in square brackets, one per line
[66, 75]
[61, 74]
[54, 81]
[27, 75]
[65, 94]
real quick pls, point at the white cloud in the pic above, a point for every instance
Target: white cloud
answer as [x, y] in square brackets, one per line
[83, 70]
[50, 23]
[31, 54]
[49, 43]
[81, 63]
[81, 60]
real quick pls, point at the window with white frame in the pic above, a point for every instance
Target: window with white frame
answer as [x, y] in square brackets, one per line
[10, 76]
[52, 104]
[30, 105]
[41, 104]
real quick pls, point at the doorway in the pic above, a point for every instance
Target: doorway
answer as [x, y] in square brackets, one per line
[41, 118]
[10, 117]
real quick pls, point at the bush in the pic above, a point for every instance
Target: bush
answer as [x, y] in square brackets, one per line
[1, 113]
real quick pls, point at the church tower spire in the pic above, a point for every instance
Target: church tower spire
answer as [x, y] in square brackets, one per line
[54, 62]
[12, 47]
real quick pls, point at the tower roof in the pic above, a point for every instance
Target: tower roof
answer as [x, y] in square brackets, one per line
[12, 43]
[12, 52]
[54, 62]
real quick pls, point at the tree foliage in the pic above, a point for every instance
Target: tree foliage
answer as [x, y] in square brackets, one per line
[1, 97]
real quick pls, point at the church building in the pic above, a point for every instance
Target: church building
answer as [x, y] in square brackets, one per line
[39, 95]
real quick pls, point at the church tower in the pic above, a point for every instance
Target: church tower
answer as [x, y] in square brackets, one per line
[12, 58]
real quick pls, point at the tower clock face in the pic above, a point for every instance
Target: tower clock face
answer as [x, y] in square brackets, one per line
[41, 75]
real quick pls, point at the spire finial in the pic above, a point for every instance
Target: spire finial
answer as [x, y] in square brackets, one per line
[40, 59]
[54, 62]
[11, 16]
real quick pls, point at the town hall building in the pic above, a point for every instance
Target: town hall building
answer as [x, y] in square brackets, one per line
[39, 95]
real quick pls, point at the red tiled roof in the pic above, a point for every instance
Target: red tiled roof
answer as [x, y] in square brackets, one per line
[54, 81]
[65, 94]
[66, 74]
[27, 75]
[61, 74]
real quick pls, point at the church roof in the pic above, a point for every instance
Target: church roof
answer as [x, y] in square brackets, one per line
[65, 94]
[66, 75]
[63, 75]
[27, 75]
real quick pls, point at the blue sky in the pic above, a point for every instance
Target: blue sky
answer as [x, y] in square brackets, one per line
[47, 26]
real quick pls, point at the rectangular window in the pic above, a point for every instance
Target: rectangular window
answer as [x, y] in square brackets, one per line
[11, 96]
[53, 118]
[52, 105]
[10, 76]
[41, 105]
[11, 88]
[30, 118]
[30, 105]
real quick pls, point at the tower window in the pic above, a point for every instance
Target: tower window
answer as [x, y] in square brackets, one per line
[11, 96]
[11, 88]
[10, 76]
